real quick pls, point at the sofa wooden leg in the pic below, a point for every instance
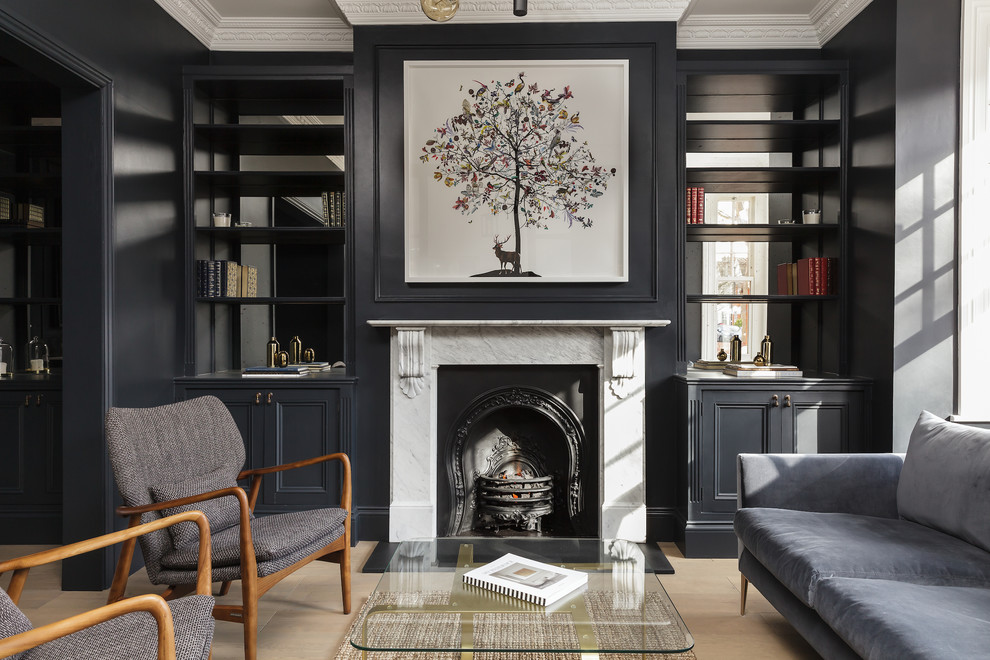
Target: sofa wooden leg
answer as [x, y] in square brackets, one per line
[743, 585]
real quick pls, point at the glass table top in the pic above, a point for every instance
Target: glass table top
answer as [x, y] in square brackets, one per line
[422, 603]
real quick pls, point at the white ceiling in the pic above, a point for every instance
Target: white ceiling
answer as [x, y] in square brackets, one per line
[325, 25]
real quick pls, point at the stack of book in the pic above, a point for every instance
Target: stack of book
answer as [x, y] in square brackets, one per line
[225, 279]
[334, 208]
[814, 276]
[292, 371]
[695, 205]
[530, 580]
[748, 370]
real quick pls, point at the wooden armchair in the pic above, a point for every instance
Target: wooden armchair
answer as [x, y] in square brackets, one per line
[182, 629]
[189, 455]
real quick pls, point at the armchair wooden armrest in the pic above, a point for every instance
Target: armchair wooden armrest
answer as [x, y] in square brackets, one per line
[256, 474]
[151, 603]
[21, 565]
[248, 561]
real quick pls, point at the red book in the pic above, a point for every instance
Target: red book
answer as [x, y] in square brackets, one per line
[804, 276]
[701, 206]
[694, 206]
[689, 204]
[817, 283]
[782, 280]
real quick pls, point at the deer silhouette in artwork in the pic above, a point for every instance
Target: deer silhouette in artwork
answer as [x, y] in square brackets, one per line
[504, 257]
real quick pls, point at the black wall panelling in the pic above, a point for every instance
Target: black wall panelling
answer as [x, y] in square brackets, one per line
[869, 44]
[380, 288]
[121, 201]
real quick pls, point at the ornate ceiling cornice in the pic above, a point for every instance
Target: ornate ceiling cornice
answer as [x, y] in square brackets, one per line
[409, 12]
[830, 16]
[694, 31]
[770, 30]
[747, 32]
[258, 34]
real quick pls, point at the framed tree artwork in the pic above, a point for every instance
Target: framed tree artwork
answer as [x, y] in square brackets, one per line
[516, 171]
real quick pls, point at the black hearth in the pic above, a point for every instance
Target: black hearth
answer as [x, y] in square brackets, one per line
[517, 459]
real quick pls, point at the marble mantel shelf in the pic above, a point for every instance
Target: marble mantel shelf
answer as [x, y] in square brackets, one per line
[621, 323]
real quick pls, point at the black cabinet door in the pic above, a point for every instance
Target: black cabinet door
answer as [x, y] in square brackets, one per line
[821, 422]
[30, 466]
[733, 422]
[301, 424]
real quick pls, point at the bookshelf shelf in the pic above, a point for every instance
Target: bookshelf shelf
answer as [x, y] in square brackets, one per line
[244, 155]
[273, 139]
[758, 232]
[280, 300]
[770, 299]
[30, 300]
[759, 136]
[277, 235]
[32, 236]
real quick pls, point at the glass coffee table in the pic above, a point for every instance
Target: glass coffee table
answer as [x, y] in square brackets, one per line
[421, 603]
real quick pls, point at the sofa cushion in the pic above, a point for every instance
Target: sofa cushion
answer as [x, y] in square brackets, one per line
[945, 482]
[801, 548]
[903, 621]
[221, 512]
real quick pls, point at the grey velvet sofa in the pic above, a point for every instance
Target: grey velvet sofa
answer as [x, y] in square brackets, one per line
[875, 555]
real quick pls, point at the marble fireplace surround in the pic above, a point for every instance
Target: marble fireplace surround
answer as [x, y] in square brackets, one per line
[420, 347]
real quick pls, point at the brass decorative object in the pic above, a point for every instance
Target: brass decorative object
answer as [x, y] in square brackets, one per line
[282, 359]
[722, 356]
[271, 352]
[766, 349]
[759, 360]
[440, 10]
[735, 349]
[295, 350]
[309, 355]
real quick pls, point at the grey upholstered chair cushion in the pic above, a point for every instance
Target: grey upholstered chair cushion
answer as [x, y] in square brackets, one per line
[169, 443]
[135, 635]
[276, 538]
[884, 619]
[801, 548]
[945, 483]
[12, 620]
[222, 512]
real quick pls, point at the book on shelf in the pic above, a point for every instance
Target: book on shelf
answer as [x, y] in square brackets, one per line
[695, 205]
[291, 371]
[326, 210]
[812, 276]
[763, 371]
[526, 579]
[217, 278]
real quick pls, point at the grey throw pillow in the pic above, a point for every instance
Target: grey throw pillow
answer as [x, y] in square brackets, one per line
[945, 482]
[222, 512]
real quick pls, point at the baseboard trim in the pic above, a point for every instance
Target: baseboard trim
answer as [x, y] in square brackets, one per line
[661, 523]
[370, 523]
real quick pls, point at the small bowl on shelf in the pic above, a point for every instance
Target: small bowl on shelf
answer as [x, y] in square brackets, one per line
[221, 219]
[786, 221]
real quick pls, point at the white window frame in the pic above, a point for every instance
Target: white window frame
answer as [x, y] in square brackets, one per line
[973, 235]
[759, 258]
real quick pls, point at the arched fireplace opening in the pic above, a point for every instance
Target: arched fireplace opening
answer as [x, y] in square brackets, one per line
[515, 463]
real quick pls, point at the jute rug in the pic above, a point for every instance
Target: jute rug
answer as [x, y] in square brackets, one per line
[546, 629]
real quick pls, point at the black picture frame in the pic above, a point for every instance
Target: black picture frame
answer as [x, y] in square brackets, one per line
[552, 42]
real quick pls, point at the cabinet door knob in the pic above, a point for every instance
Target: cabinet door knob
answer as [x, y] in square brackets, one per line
[787, 400]
[27, 400]
[37, 400]
[257, 398]
[774, 401]
[269, 398]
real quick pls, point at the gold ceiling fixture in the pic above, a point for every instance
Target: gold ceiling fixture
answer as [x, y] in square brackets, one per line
[440, 10]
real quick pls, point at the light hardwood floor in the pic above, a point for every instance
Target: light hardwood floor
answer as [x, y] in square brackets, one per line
[301, 619]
